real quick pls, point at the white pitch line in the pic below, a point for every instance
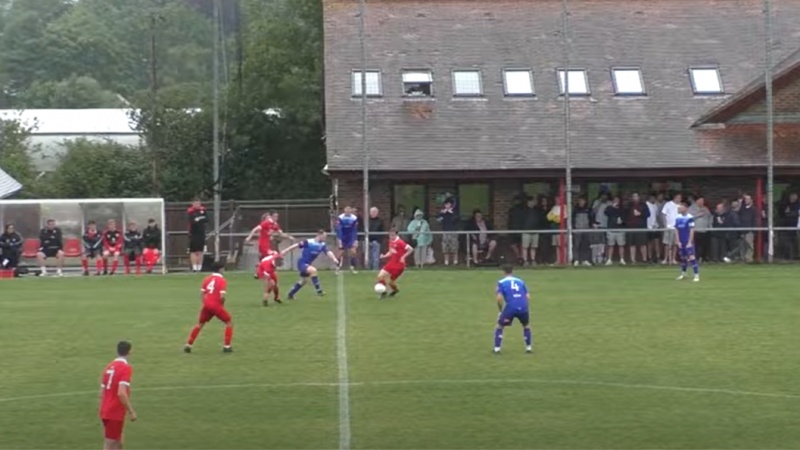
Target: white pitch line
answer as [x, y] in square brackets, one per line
[423, 382]
[341, 357]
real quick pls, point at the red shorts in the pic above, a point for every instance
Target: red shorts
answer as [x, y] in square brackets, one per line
[210, 311]
[150, 255]
[112, 250]
[272, 276]
[264, 249]
[394, 270]
[113, 429]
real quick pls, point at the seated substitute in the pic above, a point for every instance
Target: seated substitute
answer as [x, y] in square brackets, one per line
[151, 238]
[10, 248]
[132, 249]
[51, 245]
[92, 248]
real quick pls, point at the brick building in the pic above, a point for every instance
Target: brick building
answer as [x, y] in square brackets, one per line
[467, 97]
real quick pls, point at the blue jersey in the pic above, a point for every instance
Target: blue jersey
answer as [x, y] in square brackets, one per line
[347, 227]
[684, 223]
[310, 250]
[514, 292]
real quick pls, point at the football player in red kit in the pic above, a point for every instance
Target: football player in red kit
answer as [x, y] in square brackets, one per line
[112, 246]
[267, 272]
[115, 395]
[212, 294]
[394, 268]
[268, 226]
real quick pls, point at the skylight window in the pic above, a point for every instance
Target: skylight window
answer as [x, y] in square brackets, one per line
[467, 83]
[627, 81]
[705, 80]
[373, 83]
[418, 83]
[577, 82]
[518, 82]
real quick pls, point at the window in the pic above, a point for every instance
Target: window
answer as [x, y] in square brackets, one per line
[418, 83]
[627, 81]
[373, 83]
[472, 197]
[535, 189]
[407, 198]
[705, 80]
[577, 82]
[467, 83]
[518, 82]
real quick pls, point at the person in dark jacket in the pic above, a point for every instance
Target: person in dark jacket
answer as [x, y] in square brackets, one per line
[615, 215]
[546, 252]
[10, 248]
[582, 219]
[482, 240]
[151, 237]
[720, 223]
[636, 216]
[747, 220]
[532, 222]
[736, 244]
[376, 237]
[788, 212]
[450, 223]
[516, 222]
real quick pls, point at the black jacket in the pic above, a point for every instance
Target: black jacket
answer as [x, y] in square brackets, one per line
[615, 216]
[151, 237]
[450, 221]
[747, 216]
[376, 229]
[516, 217]
[10, 244]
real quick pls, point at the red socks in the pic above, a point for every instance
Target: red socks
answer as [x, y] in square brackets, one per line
[138, 264]
[127, 263]
[114, 266]
[99, 264]
[85, 264]
[193, 335]
[228, 335]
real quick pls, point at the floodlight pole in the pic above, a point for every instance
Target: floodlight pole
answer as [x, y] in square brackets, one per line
[216, 179]
[770, 131]
[567, 143]
[362, 10]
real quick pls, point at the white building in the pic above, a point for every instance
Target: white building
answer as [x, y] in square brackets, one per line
[51, 128]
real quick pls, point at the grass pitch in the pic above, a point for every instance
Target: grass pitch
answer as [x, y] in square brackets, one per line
[625, 359]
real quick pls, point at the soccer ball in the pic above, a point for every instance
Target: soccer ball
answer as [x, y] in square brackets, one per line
[380, 289]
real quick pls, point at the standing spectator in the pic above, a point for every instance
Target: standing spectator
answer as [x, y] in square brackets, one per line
[599, 208]
[670, 214]
[636, 217]
[10, 248]
[421, 235]
[516, 222]
[376, 236]
[151, 237]
[615, 238]
[582, 220]
[198, 218]
[400, 221]
[51, 245]
[482, 239]
[702, 222]
[747, 220]
[530, 240]
[736, 245]
[545, 252]
[720, 223]
[653, 237]
[450, 222]
[788, 213]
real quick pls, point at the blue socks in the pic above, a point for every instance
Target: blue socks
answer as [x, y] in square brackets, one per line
[528, 336]
[315, 282]
[295, 289]
[695, 267]
[353, 262]
[683, 266]
[498, 337]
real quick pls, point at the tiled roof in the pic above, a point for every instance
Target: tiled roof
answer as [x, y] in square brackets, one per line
[663, 37]
[8, 185]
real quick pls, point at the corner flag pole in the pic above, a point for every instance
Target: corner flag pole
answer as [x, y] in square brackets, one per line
[770, 131]
[362, 10]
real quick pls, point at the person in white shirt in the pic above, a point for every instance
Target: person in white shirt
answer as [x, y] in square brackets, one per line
[670, 214]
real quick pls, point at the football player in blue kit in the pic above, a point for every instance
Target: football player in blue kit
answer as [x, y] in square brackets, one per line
[310, 250]
[512, 301]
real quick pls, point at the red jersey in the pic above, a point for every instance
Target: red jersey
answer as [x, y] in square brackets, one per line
[268, 227]
[112, 239]
[267, 265]
[400, 248]
[117, 373]
[213, 289]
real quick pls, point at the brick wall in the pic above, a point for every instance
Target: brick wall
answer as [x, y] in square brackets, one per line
[785, 100]
[351, 193]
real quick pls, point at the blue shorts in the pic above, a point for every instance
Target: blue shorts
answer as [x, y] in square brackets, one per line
[686, 253]
[508, 315]
[302, 268]
[347, 243]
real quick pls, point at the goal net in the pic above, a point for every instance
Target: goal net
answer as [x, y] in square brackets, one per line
[72, 216]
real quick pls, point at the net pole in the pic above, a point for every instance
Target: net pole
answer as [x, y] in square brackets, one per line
[362, 10]
[567, 143]
[163, 237]
[217, 199]
[768, 28]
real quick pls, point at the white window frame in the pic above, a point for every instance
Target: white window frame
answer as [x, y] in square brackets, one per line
[426, 77]
[506, 92]
[477, 72]
[355, 80]
[566, 73]
[695, 88]
[642, 92]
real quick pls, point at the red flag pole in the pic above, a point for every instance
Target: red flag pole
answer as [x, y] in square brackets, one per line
[562, 237]
[759, 244]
